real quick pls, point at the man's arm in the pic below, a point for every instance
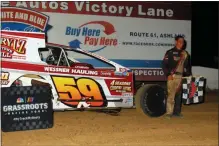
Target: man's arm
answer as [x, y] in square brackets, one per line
[188, 66]
[165, 66]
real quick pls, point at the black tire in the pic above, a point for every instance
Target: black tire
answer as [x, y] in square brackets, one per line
[151, 100]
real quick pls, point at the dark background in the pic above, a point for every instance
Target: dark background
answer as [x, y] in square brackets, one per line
[205, 34]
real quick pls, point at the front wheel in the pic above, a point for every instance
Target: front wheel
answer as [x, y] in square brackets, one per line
[151, 100]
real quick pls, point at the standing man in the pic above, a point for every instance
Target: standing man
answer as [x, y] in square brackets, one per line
[176, 64]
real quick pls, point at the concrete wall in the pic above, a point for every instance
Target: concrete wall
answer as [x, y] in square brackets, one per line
[210, 74]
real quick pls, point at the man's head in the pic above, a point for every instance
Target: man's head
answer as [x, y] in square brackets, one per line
[179, 42]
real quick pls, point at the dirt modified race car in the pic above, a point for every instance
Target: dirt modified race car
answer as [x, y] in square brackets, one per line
[27, 60]
[79, 79]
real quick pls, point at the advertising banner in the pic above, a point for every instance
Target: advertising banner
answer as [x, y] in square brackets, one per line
[26, 108]
[135, 35]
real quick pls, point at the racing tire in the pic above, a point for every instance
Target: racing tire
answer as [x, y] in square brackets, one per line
[151, 100]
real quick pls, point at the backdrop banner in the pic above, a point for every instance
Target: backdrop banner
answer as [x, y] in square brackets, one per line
[135, 35]
[26, 108]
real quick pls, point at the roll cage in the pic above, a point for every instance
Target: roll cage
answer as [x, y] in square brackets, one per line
[64, 57]
[53, 58]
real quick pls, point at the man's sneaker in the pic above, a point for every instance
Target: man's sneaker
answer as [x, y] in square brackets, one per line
[178, 115]
[168, 116]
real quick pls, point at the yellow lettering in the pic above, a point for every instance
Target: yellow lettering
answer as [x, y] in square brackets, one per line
[15, 44]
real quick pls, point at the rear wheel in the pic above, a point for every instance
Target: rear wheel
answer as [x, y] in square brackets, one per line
[151, 100]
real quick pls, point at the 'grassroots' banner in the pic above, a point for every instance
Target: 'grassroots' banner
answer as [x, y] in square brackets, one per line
[26, 108]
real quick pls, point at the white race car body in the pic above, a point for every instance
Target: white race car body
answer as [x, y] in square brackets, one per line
[27, 60]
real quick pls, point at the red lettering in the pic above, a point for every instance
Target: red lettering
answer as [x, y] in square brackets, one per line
[14, 44]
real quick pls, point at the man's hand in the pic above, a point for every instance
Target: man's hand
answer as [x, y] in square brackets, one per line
[170, 77]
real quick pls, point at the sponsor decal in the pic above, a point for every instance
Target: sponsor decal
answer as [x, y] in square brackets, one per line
[20, 100]
[5, 78]
[82, 67]
[92, 36]
[85, 72]
[116, 73]
[105, 73]
[21, 19]
[128, 100]
[79, 93]
[13, 48]
[25, 105]
[123, 69]
[121, 83]
[68, 70]
[57, 69]
[30, 99]
[127, 94]
[120, 86]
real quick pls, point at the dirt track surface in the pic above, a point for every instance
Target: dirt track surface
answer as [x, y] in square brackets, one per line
[198, 127]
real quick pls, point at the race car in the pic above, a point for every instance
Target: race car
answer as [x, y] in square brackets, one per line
[71, 72]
